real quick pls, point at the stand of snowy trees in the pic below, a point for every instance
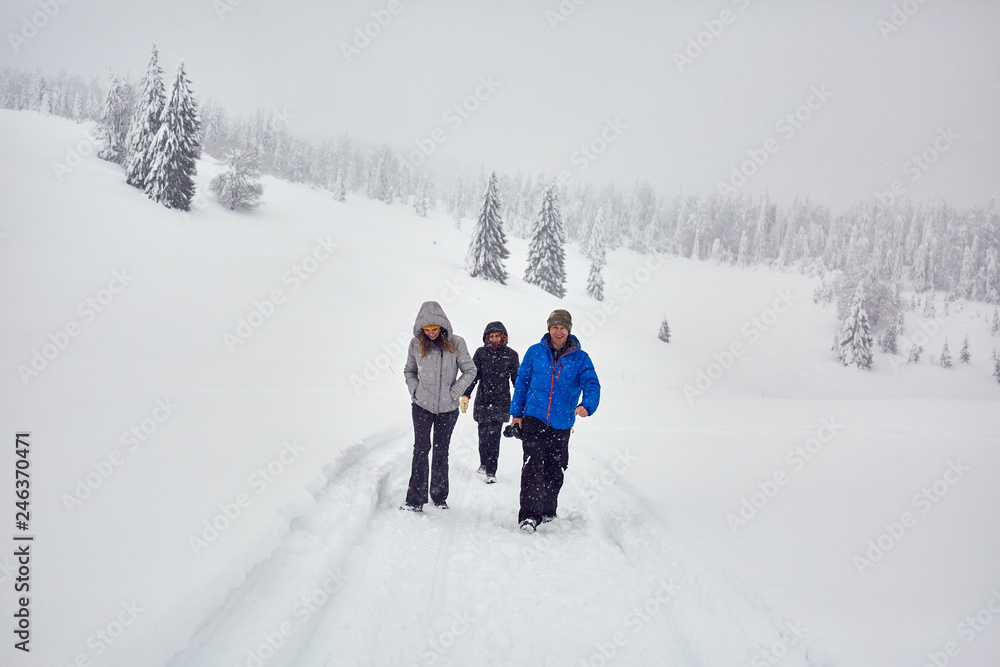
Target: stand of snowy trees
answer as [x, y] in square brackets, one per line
[922, 249]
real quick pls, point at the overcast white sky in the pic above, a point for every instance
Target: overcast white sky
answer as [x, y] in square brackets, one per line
[887, 95]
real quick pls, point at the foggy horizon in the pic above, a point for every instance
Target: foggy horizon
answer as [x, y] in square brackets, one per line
[834, 104]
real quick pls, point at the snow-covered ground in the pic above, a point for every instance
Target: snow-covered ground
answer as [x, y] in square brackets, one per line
[212, 486]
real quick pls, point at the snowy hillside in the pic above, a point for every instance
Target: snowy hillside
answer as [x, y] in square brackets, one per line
[220, 437]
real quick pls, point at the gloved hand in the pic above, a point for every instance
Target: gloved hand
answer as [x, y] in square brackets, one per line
[463, 404]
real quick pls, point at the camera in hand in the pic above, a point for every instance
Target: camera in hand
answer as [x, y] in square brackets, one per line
[512, 431]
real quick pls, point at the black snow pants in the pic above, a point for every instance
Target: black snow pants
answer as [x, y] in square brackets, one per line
[546, 456]
[489, 445]
[443, 424]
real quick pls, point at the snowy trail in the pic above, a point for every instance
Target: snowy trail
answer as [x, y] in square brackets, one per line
[464, 586]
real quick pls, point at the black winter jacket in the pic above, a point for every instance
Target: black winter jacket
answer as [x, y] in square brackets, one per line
[496, 374]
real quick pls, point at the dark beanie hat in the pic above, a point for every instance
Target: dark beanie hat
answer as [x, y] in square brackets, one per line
[560, 316]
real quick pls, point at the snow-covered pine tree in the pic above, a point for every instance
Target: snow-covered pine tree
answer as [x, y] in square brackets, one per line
[546, 257]
[930, 311]
[488, 247]
[420, 203]
[992, 278]
[945, 355]
[995, 328]
[176, 148]
[114, 123]
[238, 188]
[890, 341]
[145, 123]
[964, 355]
[339, 189]
[915, 352]
[595, 281]
[996, 365]
[856, 335]
[664, 333]
[696, 248]
[742, 257]
[597, 253]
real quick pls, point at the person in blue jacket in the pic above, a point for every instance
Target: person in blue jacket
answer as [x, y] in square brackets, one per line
[547, 400]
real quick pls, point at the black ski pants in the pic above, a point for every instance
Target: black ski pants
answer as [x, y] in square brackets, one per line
[546, 457]
[442, 425]
[489, 445]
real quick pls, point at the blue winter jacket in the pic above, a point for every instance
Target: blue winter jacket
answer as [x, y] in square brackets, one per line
[551, 392]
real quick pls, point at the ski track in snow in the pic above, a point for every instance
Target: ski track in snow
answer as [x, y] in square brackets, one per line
[606, 582]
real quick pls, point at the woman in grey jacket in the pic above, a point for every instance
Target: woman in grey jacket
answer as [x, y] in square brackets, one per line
[433, 362]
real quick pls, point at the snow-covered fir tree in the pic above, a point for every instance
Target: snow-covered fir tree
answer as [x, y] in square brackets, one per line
[115, 120]
[992, 277]
[238, 188]
[339, 188]
[964, 356]
[597, 253]
[742, 257]
[856, 335]
[915, 352]
[996, 365]
[144, 125]
[930, 311]
[488, 247]
[420, 204]
[546, 257]
[890, 341]
[595, 281]
[995, 327]
[664, 333]
[176, 148]
[945, 355]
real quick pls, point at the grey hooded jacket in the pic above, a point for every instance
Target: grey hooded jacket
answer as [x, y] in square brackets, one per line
[434, 381]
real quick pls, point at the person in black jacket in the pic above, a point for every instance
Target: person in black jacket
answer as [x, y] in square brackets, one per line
[496, 366]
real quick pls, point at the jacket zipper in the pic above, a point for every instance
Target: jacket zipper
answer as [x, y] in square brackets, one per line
[552, 384]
